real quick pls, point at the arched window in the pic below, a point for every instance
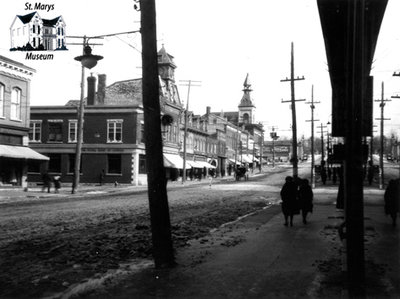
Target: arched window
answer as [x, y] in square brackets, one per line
[2, 88]
[16, 103]
[245, 118]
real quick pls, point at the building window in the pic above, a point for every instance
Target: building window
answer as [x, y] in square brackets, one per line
[72, 130]
[114, 164]
[114, 129]
[16, 103]
[142, 132]
[55, 131]
[35, 131]
[54, 162]
[142, 164]
[2, 100]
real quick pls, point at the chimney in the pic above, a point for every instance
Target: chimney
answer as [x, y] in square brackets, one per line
[208, 110]
[101, 89]
[91, 90]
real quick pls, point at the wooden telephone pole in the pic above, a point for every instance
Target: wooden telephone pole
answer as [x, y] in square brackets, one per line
[312, 120]
[293, 107]
[188, 83]
[157, 183]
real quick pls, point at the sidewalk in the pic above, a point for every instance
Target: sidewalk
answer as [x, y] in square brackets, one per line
[258, 257]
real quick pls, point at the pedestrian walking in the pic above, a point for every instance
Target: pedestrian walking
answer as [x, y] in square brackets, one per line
[305, 197]
[46, 179]
[334, 176]
[370, 174]
[392, 199]
[57, 183]
[323, 175]
[289, 200]
[101, 177]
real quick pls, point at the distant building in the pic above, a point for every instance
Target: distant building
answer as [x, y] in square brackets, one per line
[15, 155]
[113, 135]
[39, 33]
[243, 135]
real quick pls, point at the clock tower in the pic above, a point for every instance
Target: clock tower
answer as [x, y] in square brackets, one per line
[166, 66]
[246, 107]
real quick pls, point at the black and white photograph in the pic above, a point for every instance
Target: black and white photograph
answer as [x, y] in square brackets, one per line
[199, 149]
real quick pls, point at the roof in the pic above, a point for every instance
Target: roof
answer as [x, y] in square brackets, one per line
[51, 23]
[124, 92]
[165, 58]
[16, 63]
[27, 18]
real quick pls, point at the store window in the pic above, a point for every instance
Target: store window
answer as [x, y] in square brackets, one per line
[114, 164]
[54, 162]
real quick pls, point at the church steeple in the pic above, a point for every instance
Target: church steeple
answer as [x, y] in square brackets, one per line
[166, 65]
[246, 106]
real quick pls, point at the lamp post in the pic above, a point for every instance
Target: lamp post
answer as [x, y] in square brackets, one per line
[88, 60]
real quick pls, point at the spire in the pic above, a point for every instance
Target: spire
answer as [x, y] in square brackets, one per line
[247, 83]
[246, 100]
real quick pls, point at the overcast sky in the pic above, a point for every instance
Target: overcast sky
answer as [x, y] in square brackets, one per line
[216, 42]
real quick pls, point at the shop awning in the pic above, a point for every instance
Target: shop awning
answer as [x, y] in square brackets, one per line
[195, 164]
[205, 164]
[20, 152]
[233, 161]
[246, 159]
[174, 161]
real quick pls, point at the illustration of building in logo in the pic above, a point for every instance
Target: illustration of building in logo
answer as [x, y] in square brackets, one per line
[31, 32]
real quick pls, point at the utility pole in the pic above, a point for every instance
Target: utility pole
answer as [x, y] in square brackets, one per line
[382, 119]
[188, 83]
[157, 183]
[397, 97]
[312, 106]
[293, 107]
[261, 149]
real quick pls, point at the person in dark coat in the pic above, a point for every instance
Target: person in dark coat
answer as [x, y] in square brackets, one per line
[46, 182]
[392, 198]
[323, 175]
[57, 183]
[289, 199]
[305, 196]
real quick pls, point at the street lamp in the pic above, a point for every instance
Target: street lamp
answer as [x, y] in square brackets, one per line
[88, 60]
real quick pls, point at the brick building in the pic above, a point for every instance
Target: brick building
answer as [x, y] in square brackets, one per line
[15, 155]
